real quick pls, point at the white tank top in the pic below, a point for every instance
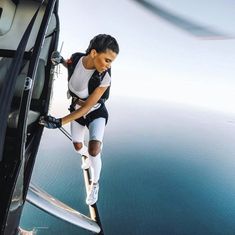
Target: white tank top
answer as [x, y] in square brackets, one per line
[78, 82]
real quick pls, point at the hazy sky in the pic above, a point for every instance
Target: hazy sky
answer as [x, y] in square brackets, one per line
[157, 61]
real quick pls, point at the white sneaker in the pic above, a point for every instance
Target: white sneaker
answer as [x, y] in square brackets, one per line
[86, 164]
[92, 196]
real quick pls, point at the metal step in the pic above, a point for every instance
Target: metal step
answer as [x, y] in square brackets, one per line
[53, 206]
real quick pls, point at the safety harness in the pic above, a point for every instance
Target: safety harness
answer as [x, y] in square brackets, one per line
[93, 83]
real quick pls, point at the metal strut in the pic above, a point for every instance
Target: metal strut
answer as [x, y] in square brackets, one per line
[94, 213]
[53, 206]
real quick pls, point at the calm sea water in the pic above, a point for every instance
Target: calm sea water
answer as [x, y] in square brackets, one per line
[167, 170]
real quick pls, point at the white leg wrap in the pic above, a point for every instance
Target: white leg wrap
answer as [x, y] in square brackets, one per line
[96, 165]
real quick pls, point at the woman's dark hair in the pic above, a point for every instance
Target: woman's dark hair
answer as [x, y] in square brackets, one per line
[102, 42]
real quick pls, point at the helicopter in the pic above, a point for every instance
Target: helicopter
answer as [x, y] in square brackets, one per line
[29, 33]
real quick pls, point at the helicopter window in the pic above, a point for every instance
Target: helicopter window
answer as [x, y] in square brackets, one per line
[39, 80]
[18, 92]
[36, 94]
[34, 113]
[7, 12]
[7, 52]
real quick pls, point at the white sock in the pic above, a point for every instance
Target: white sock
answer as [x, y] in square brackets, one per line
[96, 165]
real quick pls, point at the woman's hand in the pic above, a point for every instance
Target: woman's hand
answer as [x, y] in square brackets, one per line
[56, 58]
[50, 122]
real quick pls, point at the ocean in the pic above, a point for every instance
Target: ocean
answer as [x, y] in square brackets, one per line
[167, 170]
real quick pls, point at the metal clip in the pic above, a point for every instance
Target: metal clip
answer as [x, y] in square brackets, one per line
[28, 83]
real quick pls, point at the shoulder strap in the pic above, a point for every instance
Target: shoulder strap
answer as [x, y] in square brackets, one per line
[72, 62]
[105, 96]
[95, 81]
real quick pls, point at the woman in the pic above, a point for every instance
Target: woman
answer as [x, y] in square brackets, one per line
[88, 107]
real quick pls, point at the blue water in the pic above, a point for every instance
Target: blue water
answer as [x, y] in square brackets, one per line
[167, 170]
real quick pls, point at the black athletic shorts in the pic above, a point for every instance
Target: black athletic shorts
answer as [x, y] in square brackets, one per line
[97, 113]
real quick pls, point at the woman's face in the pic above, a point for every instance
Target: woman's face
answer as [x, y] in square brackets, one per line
[103, 60]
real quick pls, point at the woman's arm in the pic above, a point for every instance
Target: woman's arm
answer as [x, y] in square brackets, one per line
[88, 104]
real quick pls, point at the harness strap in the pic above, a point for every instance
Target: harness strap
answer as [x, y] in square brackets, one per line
[94, 80]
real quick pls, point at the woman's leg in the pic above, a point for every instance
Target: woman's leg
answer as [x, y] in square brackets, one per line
[96, 131]
[78, 133]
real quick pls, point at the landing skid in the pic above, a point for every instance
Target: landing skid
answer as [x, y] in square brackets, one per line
[53, 206]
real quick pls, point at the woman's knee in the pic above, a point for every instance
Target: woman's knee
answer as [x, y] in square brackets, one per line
[78, 146]
[94, 147]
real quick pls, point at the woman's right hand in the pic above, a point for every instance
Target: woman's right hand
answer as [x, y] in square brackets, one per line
[56, 58]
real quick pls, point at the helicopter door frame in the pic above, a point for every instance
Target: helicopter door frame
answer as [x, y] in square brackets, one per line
[13, 167]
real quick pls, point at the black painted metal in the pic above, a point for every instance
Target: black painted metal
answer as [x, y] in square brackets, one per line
[23, 153]
[12, 53]
[46, 95]
[10, 165]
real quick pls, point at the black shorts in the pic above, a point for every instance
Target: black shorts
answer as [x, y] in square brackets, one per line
[97, 113]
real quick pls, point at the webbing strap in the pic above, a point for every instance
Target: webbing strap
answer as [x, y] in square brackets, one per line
[65, 133]
[7, 90]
